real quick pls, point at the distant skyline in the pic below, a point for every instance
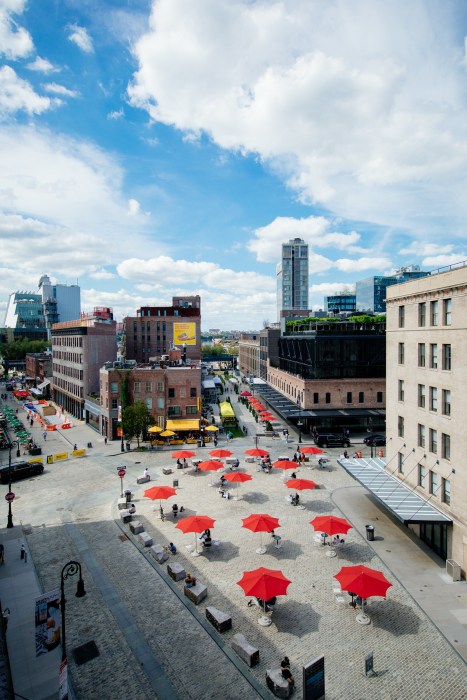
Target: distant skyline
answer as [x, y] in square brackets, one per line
[152, 149]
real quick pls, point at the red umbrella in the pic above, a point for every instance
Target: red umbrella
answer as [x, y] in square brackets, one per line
[331, 525]
[210, 465]
[260, 522]
[300, 484]
[238, 477]
[257, 452]
[285, 464]
[183, 454]
[196, 524]
[266, 417]
[220, 453]
[245, 393]
[363, 581]
[265, 411]
[310, 450]
[160, 492]
[264, 584]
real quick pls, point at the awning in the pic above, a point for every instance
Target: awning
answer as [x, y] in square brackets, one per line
[44, 383]
[180, 425]
[407, 505]
[208, 384]
[35, 391]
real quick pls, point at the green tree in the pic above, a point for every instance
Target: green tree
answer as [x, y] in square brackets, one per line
[136, 420]
[20, 348]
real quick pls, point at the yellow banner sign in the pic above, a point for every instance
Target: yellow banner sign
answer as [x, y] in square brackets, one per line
[78, 453]
[185, 333]
[36, 459]
[60, 456]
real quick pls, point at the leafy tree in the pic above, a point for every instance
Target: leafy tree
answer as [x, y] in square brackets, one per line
[136, 420]
[18, 349]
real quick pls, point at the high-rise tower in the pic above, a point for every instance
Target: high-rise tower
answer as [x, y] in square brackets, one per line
[292, 277]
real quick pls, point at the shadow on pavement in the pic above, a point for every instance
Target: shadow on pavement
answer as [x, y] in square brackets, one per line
[355, 552]
[255, 497]
[295, 618]
[394, 617]
[319, 506]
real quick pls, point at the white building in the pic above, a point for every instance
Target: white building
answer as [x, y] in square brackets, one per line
[292, 277]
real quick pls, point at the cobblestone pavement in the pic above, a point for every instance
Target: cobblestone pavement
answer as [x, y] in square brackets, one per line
[132, 613]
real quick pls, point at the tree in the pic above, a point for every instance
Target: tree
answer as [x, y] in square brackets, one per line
[136, 420]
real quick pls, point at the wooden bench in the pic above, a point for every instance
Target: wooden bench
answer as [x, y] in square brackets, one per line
[159, 553]
[145, 538]
[126, 516]
[277, 684]
[143, 479]
[176, 571]
[136, 527]
[196, 593]
[220, 620]
[248, 653]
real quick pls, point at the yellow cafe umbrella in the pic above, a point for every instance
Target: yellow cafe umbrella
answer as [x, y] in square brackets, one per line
[154, 429]
[212, 427]
[167, 433]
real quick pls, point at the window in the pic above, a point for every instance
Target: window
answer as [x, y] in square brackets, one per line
[421, 355]
[173, 411]
[401, 389]
[421, 435]
[446, 491]
[191, 409]
[433, 398]
[379, 397]
[137, 387]
[400, 426]
[401, 353]
[315, 397]
[445, 446]
[400, 463]
[160, 403]
[171, 393]
[349, 397]
[421, 396]
[433, 482]
[446, 408]
[193, 392]
[433, 447]
[361, 397]
[433, 356]
[447, 357]
[401, 316]
[422, 314]
[434, 313]
[328, 397]
[160, 386]
[148, 402]
[421, 475]
[447, 309]
[114, 403]
[148, 387]
[114, 387]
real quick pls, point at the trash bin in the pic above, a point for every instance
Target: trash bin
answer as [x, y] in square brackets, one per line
[175, 483]
[127, 493]
[370, 532]
[200, 442]
[128, 446]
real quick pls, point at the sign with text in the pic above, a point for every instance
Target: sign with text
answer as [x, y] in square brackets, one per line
[185, 333]
[48, 622]
[59, 456]
[36, 459]
[313, 679]
[78, 453]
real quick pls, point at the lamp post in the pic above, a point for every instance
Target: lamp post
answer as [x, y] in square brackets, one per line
[68, 570]
[299, 422]
[10, 500]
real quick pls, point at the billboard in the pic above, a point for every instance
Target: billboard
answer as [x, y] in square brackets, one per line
[48, 622]
[185, 333]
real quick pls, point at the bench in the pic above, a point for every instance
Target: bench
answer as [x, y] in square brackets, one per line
[122, 504]
[126, 516]
[143, 479]
[230, 460]
[158, 552]
[248, 653]
[220, 620]
[196, 593]
[145, 539]
[136, 527]
[176, 571]
[249, 459]
[277, 684]
[167, 470]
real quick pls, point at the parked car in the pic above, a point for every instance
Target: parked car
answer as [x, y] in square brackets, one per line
[331, 440]
[20, 470]
[374, 440]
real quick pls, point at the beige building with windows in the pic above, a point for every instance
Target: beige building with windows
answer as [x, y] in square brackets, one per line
[427, 400]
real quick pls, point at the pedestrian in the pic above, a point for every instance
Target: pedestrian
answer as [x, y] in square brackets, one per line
[44, 435]
[2, 553]
[105, 440]
[74, 447]
[23, 553]
[285, 663]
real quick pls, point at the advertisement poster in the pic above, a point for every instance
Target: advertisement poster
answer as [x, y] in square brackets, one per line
[48, 622]
[185, 333]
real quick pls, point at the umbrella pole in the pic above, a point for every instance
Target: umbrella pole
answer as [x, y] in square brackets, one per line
[261, 550]
[264, 620]
[196, 553]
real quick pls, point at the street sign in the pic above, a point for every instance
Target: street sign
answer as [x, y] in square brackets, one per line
[121, 472]
[10, 496]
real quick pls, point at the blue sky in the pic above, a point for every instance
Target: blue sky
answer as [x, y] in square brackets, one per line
[152, 148]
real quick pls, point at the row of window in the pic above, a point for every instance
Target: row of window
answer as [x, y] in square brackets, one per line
[432, 397]
[73, 341]
[349, 398]
[433, 357]
[433, 485]
[67, 371]
[432, 438]
[75, 357]
[433, 311]
[159, 349]
[138, 387]
[173, 411]
[74, 389]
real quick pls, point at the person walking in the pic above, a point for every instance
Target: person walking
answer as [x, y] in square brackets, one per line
[44, 435]
[105, 440]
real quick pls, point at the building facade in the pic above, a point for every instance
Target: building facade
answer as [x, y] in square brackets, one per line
[371, 291]
[249, 355]
[39, 372]
[292, 277]
[344, 303]
[60, 302]
[79, 349]
[155, 330]
[427, 400]
[24, 317]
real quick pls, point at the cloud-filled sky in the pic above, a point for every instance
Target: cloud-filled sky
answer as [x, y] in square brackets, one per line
[152, 148]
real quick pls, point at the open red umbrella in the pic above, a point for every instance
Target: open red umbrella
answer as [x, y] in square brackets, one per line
[266, 417]
[260, 522]
[264, 584]
[161, 493]
[210, 465]
[257, 452]
[196, 524]
[300, 484]
[245, 393]
[238, 477]
[363, 581]
[220, 453]
[310, 450]
[285, 464]
[331, 525]
[183, 454]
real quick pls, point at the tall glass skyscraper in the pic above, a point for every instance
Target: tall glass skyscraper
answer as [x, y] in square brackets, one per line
[292, 277]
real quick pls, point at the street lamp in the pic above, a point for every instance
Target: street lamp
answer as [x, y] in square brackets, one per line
[299, 422]
[11, 496]
[68, 570]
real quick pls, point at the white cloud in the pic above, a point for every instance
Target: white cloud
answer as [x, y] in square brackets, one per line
[15, 41]
[57, 89]
[133, 207]
[117, 114]
[362, 264]
[80, 36]
[101, 275]
[18, 95]
[359, 106]
[420, 248]
[329, 288]
[436, 261]
[42, 65]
